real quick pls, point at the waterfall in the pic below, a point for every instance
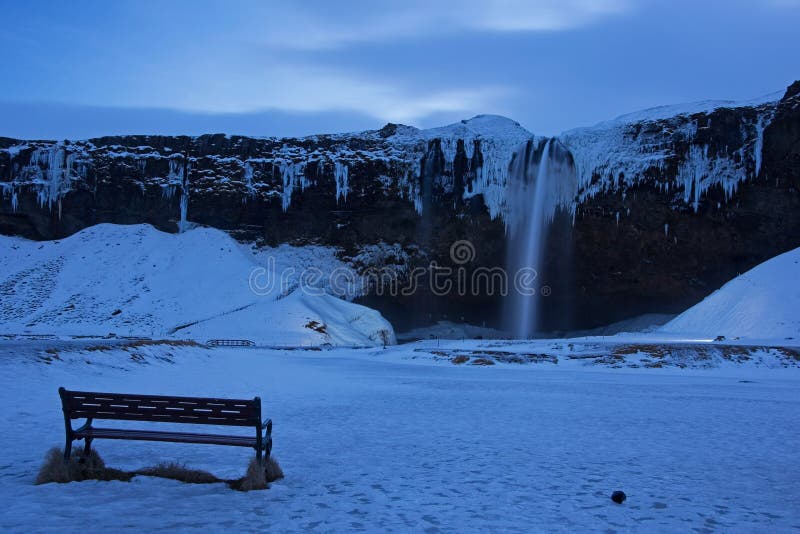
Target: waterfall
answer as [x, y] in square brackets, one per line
[541, 180]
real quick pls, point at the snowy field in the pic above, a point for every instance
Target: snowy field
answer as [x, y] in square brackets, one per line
[402, 439]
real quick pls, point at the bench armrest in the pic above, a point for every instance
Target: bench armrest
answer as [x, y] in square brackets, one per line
[267, 425]
[86, 426]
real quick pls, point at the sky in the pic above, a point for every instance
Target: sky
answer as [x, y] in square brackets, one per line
[86, 68]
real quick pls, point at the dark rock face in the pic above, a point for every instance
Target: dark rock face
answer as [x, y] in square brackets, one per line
[674, 208]
[668, 253]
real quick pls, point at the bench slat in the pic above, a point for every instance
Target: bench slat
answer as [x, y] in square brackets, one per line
[197, 410]
[175, 437]
[82, 397]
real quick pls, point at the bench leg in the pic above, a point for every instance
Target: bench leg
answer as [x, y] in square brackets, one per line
[87, 448]
[67, 449]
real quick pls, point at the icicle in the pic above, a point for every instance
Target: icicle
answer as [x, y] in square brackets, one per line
[248, 180]
[418, 204]
[469, 149]
[183, 225]
[449, 148]
[340, 173]
[53, 166]
[292, 174]
[758, 145]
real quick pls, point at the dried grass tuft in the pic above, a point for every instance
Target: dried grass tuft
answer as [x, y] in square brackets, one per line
[77, 469]
[180, 472]
[92, 467]
[259, 475]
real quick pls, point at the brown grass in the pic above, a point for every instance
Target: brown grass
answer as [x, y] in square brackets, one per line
[273, 470]
[482, 361]
[168, 342]
[176, 471]
[258, 476]
[80, 468]
[791, 354]
[460, 359]
[145, 343]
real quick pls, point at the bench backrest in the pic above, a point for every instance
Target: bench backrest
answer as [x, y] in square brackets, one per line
[197, 410]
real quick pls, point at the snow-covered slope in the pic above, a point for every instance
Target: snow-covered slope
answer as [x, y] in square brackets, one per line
[135, 280]
[762, 303]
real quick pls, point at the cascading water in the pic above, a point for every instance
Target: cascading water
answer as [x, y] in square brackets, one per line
[541, 180]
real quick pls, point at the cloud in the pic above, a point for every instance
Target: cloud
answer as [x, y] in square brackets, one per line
[308, 88]
[301, 29]
[277, 55]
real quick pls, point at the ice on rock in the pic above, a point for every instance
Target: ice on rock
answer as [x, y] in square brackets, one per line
[758, 146]
[699, 172]
[292, 176]
[52, 170]
[607, 157]
[619, 153]
[341, 176]
[248, 179]
[494, 136]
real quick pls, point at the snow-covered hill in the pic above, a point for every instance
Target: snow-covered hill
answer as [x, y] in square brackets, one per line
[762, 303]
[135, 280]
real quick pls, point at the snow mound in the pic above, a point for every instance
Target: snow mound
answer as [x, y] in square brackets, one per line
[481, 126]
[137, 281]
[760, 304]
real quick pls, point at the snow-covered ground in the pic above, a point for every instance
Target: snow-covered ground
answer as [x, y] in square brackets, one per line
[762, 303]
[137, 281]
[402, 439]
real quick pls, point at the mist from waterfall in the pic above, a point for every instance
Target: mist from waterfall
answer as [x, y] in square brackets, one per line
[541, 179]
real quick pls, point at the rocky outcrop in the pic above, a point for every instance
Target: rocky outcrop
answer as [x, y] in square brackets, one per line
[705, 196]
[668, 204]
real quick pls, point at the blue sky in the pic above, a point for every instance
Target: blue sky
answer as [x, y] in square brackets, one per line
[87, 68]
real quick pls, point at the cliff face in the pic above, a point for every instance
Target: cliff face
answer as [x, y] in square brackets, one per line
[665, 206]
[701, 198]
[325, 188]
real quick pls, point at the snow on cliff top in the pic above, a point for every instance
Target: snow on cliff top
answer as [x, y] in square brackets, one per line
[762, 303]
[495, 126]
[135, 280]
[689, 108]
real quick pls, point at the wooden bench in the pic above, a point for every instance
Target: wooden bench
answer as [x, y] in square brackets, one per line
[192, 410]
